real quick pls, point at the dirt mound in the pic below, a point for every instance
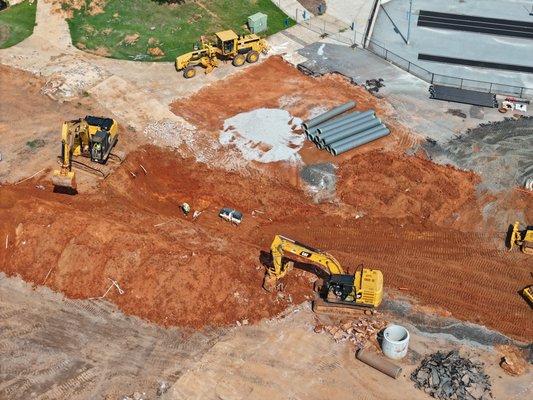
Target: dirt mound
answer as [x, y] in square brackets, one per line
[398, 186]
[179, 271]
[173, 270]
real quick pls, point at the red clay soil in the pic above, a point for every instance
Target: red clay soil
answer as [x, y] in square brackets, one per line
[207, 272]
[276, 84]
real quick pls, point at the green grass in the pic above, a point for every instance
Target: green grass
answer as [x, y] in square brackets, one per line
[16, 23]
[172, 28]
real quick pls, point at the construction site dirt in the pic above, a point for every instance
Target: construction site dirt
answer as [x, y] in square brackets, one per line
[177, 271]
[419, 222]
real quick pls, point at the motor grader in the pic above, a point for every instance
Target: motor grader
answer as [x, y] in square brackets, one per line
[226, 46]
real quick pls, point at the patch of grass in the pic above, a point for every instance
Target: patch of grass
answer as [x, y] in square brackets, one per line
[171, 28]
[35, 144]
[16, 23]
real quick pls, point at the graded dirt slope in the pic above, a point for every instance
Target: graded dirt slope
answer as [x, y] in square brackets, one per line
[176, 271]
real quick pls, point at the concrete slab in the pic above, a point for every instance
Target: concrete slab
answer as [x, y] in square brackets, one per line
[409, 95]
[392, 28]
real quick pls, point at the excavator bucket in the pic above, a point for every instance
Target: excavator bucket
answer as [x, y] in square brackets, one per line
[270, 283]
[67, 181]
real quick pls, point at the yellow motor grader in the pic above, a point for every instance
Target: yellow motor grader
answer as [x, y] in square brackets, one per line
[226, 46]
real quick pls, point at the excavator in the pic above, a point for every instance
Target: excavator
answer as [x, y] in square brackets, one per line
[339, 292]
[91, 137]
[226, 46]
[523, 239]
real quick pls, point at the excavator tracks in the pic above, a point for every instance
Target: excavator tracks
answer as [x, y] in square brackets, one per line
[100, 170]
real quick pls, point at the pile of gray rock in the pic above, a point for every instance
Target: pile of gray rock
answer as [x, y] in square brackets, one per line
[452, 377]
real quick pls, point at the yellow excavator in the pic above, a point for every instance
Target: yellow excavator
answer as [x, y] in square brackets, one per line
[339, 290]
[227, 45]
[91, 137]
[523, 239]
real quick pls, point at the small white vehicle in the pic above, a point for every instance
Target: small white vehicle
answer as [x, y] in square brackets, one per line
[231, 215]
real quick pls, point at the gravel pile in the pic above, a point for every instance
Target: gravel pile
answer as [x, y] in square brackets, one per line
[452, 377]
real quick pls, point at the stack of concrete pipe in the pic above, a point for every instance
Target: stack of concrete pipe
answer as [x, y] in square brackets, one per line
[338, 135]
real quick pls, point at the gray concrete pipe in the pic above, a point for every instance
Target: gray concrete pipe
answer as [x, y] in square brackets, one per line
[353, 137]
[313, 132]
[350, 132]
[324, 138]
[379, 362]
[336, 150]
[326, 129]
[329, 114]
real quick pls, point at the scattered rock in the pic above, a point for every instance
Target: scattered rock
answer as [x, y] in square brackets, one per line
[156, 52]
[513, 361]
[359, 332]
[131, 39]
[162, 388]
[450, 376]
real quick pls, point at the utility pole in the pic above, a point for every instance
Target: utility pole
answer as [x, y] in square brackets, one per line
[409, 20]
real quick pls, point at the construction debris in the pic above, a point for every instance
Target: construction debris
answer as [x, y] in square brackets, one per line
[513, 361]
[379, 362]
[360, 332]
[373, 85]
[452, 377]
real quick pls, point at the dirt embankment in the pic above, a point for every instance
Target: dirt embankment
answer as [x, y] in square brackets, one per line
[176, 271]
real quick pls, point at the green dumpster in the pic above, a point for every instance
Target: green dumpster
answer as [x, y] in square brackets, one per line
[257, 22]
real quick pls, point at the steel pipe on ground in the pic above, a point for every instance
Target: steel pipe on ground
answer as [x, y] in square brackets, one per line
[359, 142]
[344, 128]
[351, 132]
[329, 114]
[351, 138]
[324, 130]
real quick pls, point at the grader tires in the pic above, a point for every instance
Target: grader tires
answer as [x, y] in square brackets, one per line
[252, 57]
[239, 60]
[189, 72]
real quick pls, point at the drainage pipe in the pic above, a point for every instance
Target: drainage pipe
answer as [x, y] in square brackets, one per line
[345, 128]
[313, 132]
[379, 362]
[329, 114]
[353, 137]
[336, 150]
[325, 129]
[350, 132]
[335, 121]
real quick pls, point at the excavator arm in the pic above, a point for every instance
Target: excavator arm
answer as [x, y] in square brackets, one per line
[281, 246]
[65, 177]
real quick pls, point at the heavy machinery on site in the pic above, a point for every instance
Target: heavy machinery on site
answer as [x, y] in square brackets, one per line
[528, 294]
[91, 137]
[338, 292]
[226, 46]
[523, 239]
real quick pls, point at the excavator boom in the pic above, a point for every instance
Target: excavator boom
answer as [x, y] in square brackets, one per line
[364, 288]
